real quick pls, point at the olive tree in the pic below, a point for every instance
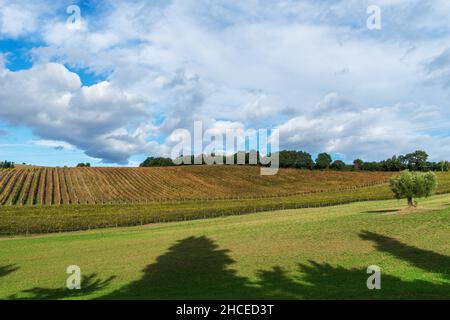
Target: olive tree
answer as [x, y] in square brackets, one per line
[412, 185]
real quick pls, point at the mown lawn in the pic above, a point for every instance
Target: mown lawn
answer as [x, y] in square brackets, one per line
[294, 254]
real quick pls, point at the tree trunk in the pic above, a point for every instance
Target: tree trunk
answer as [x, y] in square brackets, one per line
[410, 202]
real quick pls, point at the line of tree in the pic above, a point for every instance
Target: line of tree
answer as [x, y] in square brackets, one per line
[84, 165]
[244, 158]
[415, 161]
[7, 165]
[202, 159]
[157, 162]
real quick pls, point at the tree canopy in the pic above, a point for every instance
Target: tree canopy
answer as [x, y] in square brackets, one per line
[323, 161]
[412, 185]
[415, 161]
[6, 164]
[157, 162]
[296, 159]
[338, 165]
[84, 165]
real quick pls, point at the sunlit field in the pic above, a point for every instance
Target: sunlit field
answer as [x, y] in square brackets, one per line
[316, 253]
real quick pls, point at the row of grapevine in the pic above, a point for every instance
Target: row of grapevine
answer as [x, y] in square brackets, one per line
[64, 186]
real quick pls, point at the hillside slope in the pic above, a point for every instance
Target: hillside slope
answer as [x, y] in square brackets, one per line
[55, 186]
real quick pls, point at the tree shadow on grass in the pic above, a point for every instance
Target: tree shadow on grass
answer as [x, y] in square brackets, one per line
[324, 281]
[195, 268]
[420, 258]
[89, 284]
[7, 269]
[383, 211]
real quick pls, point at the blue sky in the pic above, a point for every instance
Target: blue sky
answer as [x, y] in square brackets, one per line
[119, 87]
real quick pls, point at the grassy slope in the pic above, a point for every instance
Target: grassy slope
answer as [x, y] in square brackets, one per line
[304, 253]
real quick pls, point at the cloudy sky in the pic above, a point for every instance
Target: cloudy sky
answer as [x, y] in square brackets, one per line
[113, 90]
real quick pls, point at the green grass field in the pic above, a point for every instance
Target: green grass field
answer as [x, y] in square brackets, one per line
[317, 253]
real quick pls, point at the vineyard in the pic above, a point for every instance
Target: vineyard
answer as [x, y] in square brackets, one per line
[177, 194]
[64, 186]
